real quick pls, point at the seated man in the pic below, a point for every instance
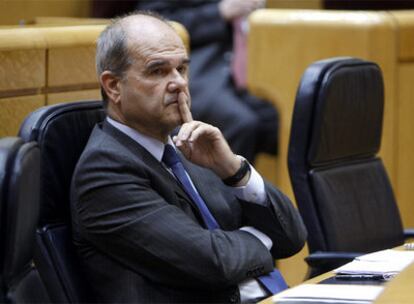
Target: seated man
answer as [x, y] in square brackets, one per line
[165, 220]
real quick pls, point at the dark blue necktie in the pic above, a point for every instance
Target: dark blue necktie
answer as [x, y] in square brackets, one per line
[272, 281]
[171, 159]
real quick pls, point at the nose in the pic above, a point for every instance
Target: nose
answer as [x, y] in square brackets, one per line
[178, 83]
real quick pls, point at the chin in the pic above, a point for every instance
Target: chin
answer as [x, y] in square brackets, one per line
[172, 124]
[175, 119]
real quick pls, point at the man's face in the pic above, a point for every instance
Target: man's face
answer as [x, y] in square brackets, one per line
[149, 91]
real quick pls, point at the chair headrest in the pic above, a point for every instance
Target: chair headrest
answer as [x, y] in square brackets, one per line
[62, 131]
[20, 165]
[341, 104]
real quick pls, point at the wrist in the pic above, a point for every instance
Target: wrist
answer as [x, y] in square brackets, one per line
[228, 167]
[239, 177]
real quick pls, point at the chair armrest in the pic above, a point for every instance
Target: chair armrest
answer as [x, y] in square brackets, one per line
[321, 262]
[321, 257]
[409, 233]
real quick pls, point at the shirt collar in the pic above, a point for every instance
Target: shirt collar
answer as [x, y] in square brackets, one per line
[152, 145]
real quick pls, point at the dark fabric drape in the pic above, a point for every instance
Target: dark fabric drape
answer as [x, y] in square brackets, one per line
[111, 8]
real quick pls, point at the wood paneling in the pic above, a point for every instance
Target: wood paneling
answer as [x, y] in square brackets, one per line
[14, 110]
[13, 12]
[405, 153]
[22, 70]
[54, 98]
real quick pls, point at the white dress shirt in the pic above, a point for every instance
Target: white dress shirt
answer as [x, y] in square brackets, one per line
[253, 191]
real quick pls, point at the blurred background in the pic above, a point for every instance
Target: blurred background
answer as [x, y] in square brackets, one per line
[14, 12]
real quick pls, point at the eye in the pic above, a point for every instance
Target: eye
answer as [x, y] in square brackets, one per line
[182, 69]
[157, 72]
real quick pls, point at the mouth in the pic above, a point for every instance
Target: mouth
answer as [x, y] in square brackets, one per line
[171, 100]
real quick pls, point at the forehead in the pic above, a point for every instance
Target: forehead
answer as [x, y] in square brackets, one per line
[149, 38]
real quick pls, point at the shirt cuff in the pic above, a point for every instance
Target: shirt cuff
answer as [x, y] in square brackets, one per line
[253, 191]
[260, 235]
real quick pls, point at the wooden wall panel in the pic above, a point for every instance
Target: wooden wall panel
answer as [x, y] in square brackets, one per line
[405, 155]
[13, 12]
[405, 22]
[14, 110]
[72, 66]
[22, 70]
[54, 98]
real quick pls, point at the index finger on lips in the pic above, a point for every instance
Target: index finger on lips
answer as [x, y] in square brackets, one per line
[184, 109]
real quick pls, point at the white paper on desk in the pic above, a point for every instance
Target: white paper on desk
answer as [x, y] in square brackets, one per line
[386, 262]
[388, 255]
[363, 267]
[330, 292]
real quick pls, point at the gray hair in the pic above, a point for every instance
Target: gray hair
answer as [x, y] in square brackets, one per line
[112, 53]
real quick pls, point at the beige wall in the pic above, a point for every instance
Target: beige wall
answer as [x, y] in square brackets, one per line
[13, 12]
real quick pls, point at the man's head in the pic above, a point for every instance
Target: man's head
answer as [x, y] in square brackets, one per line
[142, 65]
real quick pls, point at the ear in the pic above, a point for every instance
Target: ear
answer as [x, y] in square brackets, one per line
[110, 83]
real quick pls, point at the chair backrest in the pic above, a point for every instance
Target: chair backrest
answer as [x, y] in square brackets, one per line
[61, 131]
[55, 257]
[340, 184]
[19, 205]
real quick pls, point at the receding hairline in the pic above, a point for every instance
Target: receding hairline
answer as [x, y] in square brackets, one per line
[145, 20]
[144, 30]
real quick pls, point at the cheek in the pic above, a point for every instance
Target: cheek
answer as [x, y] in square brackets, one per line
[145, 96]
[153, 95]
[148, 87]
[139, 96]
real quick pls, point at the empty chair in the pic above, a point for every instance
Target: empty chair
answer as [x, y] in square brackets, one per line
[340, 183]
[19, 205]
[61, 132]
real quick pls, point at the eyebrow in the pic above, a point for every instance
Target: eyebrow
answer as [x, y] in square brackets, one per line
[160, 63]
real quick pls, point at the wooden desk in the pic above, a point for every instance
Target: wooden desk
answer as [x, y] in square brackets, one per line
[397, 291]
[400, 289]
[314, 280]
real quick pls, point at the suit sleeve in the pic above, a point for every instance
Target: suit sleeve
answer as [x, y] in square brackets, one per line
[201, 18]
[279, 220]
[275, 216]
[123, 217]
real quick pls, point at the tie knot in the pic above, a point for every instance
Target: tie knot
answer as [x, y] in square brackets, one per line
[170, 157]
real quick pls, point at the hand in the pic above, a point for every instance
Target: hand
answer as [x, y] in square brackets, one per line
[204, 144]
[232, 9]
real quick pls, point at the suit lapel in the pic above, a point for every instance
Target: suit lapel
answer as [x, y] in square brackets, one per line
[150, 160]
[207, 188]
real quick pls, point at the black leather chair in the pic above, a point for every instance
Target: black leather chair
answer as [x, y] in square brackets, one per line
[19, 205]
[340, 183]
[61, 132]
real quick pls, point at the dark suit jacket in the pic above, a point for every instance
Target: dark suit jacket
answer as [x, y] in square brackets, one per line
[141, 238]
